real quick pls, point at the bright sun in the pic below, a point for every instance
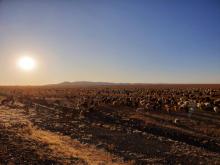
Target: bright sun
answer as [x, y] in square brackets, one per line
[26, 63]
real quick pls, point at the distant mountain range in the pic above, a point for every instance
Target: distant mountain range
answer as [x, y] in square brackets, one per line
[85, 83]
[151, 85]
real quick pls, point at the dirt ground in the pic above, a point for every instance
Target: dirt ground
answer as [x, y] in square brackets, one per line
[108, 136]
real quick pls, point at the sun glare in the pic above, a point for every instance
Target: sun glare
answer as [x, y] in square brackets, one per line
[26, 63]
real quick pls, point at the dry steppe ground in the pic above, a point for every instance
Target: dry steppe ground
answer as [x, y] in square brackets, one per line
[108, 125]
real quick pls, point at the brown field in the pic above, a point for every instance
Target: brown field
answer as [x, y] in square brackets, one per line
[121, 124]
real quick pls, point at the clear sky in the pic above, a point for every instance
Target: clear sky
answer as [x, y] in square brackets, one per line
[152, 41]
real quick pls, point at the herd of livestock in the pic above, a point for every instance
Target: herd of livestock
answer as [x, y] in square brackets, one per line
[139, 98]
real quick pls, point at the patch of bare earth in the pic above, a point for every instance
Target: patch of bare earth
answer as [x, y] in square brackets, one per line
[23, 143]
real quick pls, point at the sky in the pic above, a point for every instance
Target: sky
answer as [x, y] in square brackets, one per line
[138, 41]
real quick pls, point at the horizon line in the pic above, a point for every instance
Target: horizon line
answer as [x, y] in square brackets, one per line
[110, 83]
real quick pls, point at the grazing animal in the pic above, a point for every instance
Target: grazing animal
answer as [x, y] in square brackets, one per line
[176, 121]
[167, 108]
[208, 106]
[216, 109]
[199, 106]
[142, 102]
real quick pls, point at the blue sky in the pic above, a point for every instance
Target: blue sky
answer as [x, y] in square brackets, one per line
[152, 41]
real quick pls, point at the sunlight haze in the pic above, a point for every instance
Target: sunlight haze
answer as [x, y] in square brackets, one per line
[112, 41]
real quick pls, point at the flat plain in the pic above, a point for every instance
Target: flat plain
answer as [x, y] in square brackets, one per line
[124, 124]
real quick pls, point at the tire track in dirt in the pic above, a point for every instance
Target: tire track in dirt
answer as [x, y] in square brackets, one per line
[143, 123]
